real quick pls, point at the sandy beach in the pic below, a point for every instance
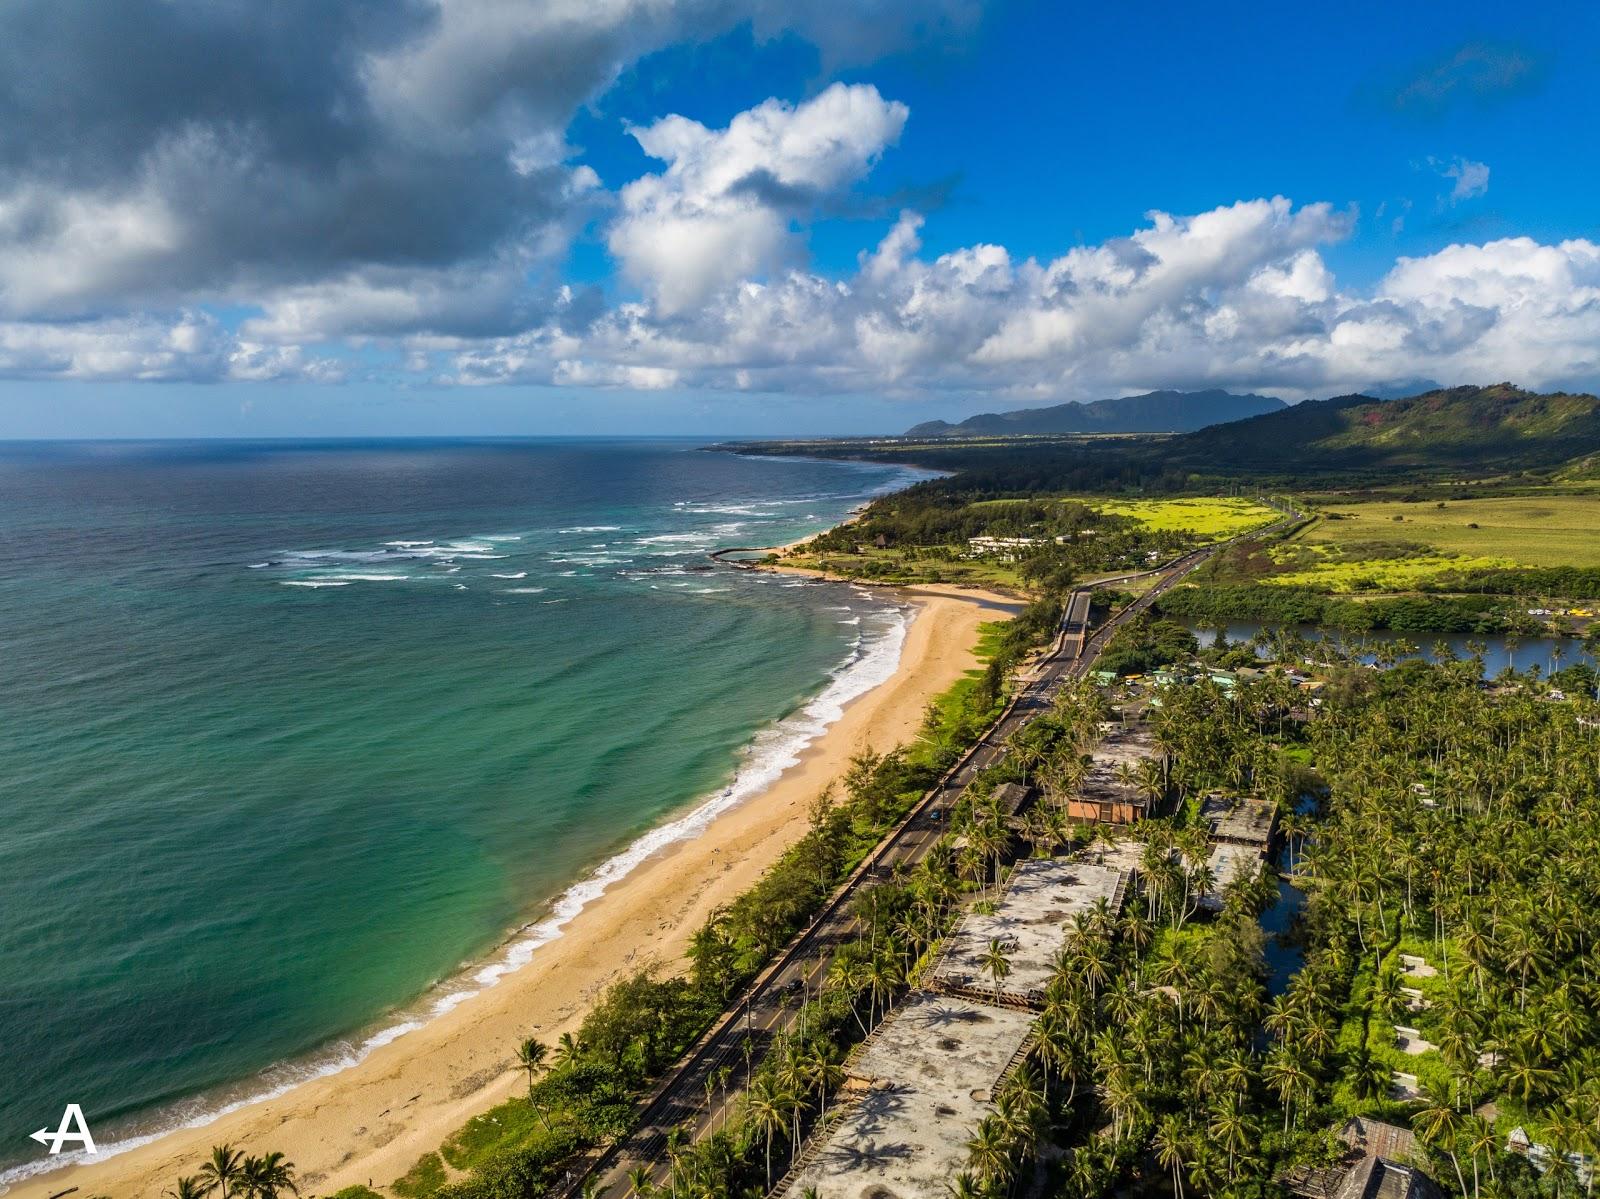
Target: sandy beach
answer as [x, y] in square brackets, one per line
[371, 1122]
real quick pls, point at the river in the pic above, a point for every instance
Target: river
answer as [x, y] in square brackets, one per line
[1520, 653]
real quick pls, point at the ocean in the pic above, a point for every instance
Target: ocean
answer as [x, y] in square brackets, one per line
[302, 743]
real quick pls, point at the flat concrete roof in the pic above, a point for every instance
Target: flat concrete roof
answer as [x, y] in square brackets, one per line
[1119, 744]
[1123, 854]
[1011, 797]
[1248, 821]
[1042, 896]
[1229, 862]
[932, 1069]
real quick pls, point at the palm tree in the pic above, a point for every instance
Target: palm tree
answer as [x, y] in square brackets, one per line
[965, 1186]
[1438, 1123]
[1021, 1108]
[823, 1073]
[1287, 1077]
[989, 1153]
[1056, 1046]
[220, 1172]
[188, 1187]
[265, 1176]
[795, 1080]
[640, 1183]
[1151, 783]
[996, 962]
[1230, 1129]
[766, 1106]
[531, 1055]
[883, 978]
[567, 1050]
[1168, 1144]
[1526, 1072]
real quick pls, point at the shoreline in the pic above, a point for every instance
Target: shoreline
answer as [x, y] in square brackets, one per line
[371, 1120]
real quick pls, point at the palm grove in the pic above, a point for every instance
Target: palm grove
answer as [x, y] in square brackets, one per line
[1425, 815]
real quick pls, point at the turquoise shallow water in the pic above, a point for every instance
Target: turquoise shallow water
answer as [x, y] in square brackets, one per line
[291, 735]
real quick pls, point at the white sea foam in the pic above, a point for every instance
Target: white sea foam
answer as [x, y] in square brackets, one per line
[313, 583]
[674, 539]
[258, 565]
[591, 529]
[521, 574]
[322, 557]
[523, 590]
[354, 578]
[753, 508]
[872, 661]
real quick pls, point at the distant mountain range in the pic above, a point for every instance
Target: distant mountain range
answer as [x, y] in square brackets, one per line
[1153, 412]
[1500, 427]
[1472, 432]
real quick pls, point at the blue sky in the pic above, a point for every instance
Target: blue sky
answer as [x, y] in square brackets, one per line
[1052, 126]
[934, 209]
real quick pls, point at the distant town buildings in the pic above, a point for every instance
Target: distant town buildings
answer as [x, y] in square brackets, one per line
[1008, 549]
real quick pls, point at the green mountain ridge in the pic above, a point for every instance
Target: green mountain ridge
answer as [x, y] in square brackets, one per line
[1152, 412]
[1356, 440]
[1500, 427]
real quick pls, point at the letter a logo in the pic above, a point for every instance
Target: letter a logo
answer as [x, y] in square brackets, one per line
[73, 1128]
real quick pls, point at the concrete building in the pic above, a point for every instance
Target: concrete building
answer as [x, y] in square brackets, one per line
[1382, 1161]
[1240, 821]
[919, 1085]
[1104, 798]
[1031, 921]
[1229, 863]
[1012, 797]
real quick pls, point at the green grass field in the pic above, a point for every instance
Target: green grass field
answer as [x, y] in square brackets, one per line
[1346, 567]
[1546, 530]
[1392, 545]
[1216, 517]
[1206, 516]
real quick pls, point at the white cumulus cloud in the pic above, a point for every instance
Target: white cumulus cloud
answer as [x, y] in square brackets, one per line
[1239, 296]
[722, 209]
